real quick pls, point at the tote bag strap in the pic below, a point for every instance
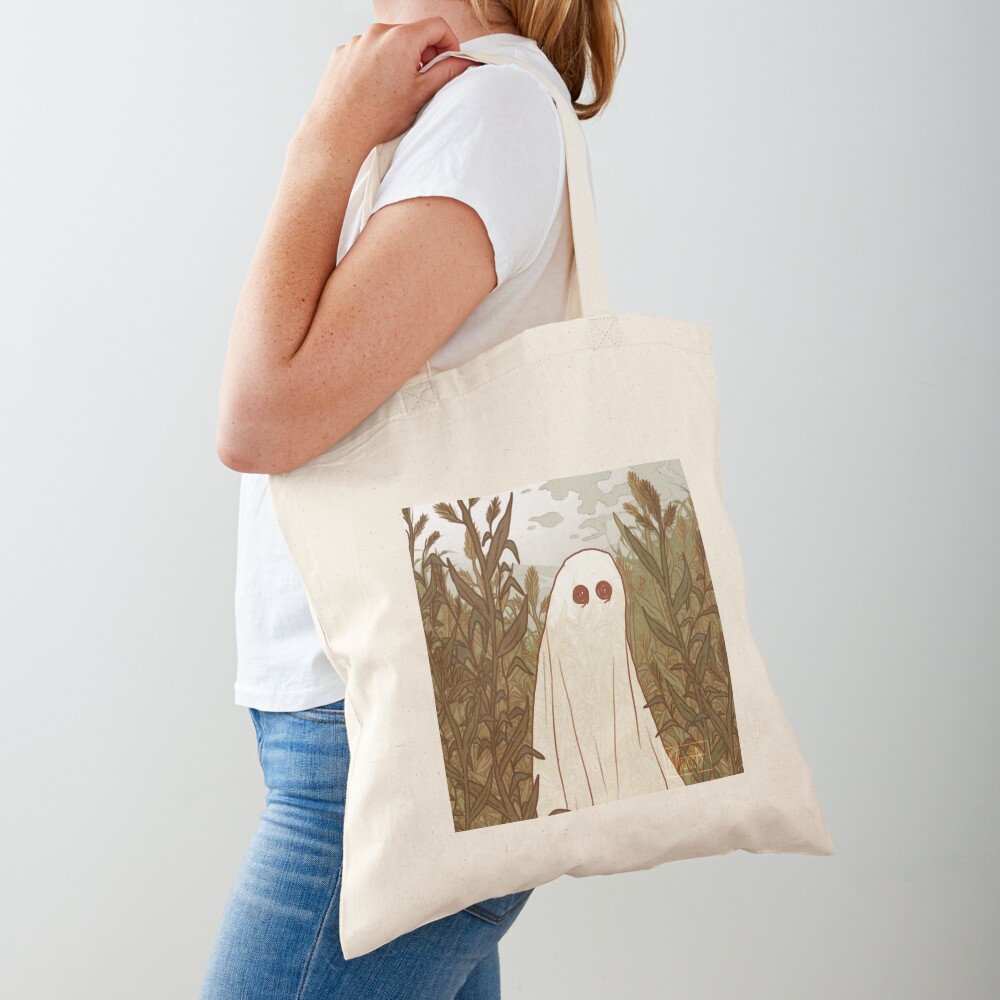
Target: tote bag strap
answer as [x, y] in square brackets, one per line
[590, 284]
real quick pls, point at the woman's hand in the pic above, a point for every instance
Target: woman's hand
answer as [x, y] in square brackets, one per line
[373, 88]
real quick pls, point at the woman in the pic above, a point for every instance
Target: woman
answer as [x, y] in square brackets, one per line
[468, 243]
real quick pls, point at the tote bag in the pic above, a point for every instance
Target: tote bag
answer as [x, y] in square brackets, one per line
[525, 573]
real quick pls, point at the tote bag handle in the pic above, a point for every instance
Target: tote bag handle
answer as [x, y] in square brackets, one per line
[592, 285]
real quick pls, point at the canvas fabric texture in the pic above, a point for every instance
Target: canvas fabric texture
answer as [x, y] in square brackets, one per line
[526, 568]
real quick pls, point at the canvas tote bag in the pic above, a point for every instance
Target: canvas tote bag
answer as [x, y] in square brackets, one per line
[525, 573]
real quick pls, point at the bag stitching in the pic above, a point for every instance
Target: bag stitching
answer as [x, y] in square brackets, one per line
[392, 418]
[420, 392]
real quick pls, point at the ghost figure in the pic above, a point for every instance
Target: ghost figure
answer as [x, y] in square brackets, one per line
[598, 740]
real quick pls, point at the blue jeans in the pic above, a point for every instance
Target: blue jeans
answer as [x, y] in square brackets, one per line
[279, 938]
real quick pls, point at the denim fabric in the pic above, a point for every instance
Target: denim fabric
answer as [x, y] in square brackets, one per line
[279, 937]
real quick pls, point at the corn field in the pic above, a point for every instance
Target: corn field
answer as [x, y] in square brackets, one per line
[483, 626]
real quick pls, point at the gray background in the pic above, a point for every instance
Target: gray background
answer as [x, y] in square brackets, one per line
[816, 181]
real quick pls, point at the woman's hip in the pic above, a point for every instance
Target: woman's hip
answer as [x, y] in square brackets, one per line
[304, 756]
[280, 931]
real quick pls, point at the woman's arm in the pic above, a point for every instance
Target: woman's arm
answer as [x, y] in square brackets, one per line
[315, 348]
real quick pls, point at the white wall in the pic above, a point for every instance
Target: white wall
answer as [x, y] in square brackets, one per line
[816, 181]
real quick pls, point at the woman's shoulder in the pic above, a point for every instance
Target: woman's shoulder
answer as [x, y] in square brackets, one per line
[498, 90]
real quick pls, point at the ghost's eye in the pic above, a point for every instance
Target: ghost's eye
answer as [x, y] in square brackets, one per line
[603, 590]
[580, 594]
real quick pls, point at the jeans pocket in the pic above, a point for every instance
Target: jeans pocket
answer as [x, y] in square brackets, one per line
[332, 712]
[499, 907]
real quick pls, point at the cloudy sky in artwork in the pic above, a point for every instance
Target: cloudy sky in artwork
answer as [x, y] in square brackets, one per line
[556, 517]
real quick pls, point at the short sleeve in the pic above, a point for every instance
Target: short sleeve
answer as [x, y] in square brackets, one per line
[491, 138]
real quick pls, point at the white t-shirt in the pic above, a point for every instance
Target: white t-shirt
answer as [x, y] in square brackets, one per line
[491, 138]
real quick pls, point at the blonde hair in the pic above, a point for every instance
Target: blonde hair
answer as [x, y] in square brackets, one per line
[578, 36]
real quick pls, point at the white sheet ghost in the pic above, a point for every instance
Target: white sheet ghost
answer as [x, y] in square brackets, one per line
[598, 741]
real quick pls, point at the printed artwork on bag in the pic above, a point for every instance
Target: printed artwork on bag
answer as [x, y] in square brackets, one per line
[575, 646]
